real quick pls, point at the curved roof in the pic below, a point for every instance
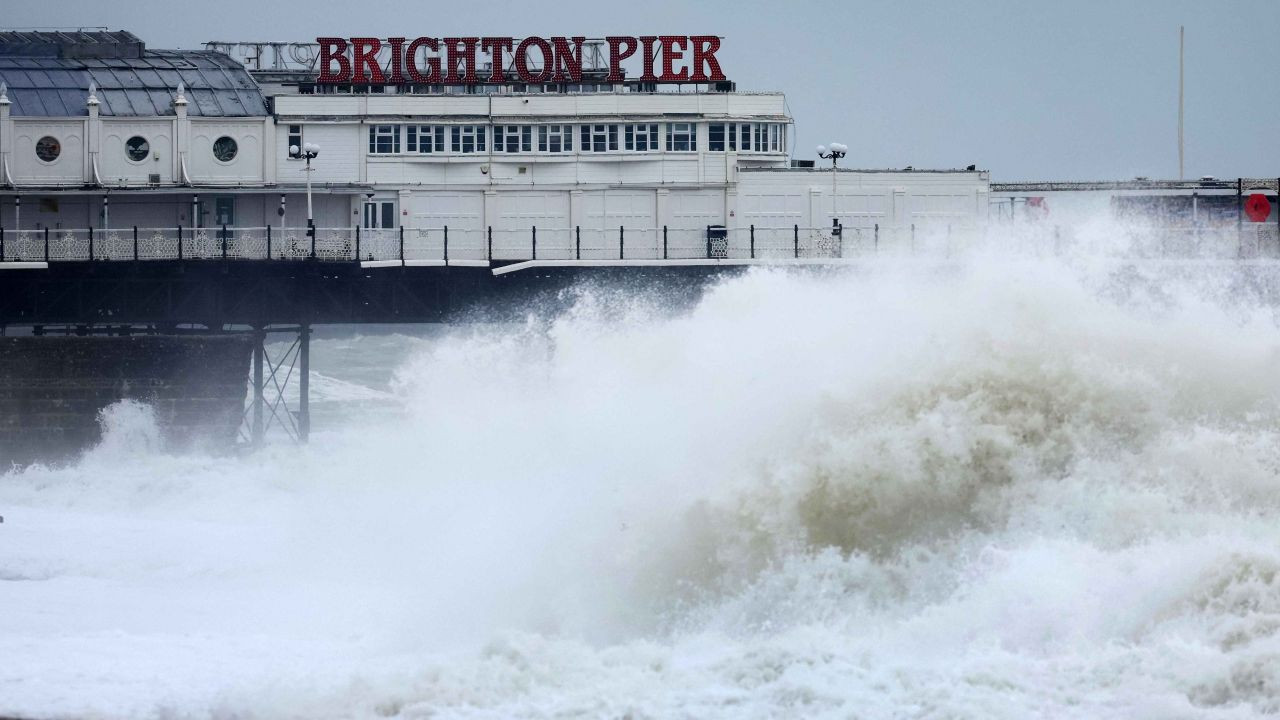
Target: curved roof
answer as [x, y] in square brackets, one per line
[216, 85]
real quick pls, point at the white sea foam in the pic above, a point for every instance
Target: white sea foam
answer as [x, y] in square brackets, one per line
[972, 488]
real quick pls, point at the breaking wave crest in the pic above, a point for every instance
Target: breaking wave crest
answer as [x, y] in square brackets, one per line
[961, 489]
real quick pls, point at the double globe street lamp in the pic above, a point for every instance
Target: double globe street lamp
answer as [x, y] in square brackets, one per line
[833, 152]
[307, 152]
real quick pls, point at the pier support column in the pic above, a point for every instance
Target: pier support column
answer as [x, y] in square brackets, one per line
[260, 337]
[304, 382]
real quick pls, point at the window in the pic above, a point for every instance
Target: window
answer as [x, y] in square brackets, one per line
[641, 137]
[744, 137]
[762, 137]
[682, 137]
[774, 132]
[384, 139]
[468, 138]
[48, 148]
[555, 138]
[224, 149]
[715, 137]
[295, 140]
[425, 138]
[599, 138]
[513, 138]
[137, 148]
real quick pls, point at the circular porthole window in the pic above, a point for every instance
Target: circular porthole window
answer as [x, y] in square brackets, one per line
[137, 148]
[48, 148]
[224, 149]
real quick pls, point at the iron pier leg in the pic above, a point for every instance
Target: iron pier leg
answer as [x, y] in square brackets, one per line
[259, 339]
[304, 382]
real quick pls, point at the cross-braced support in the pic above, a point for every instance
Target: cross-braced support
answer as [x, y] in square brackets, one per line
[271, 378]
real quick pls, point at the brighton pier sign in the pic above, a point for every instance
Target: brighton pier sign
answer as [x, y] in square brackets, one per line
[457, 60]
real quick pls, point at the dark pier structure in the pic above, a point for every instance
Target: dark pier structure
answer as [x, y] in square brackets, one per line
[183, 336]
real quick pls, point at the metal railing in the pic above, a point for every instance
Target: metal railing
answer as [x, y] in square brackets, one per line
[446, 244]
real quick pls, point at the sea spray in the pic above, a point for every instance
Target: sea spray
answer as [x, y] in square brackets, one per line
[969, 488]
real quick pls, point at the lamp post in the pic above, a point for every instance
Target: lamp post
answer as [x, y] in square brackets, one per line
[308, 151]
[833, 152]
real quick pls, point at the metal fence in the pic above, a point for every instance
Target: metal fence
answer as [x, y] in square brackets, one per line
[444, 244]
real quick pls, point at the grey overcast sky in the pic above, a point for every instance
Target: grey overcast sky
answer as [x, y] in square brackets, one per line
[1071, 89]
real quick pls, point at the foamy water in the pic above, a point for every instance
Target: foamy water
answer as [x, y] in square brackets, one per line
[979, 488]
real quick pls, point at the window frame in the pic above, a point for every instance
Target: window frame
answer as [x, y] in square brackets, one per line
[384, 132]
[235, 150]
[689, 135]
[146, 150]
[511, 139]
[462, 135]
[430, 136]
[555, 134]
[294, 131]
[634, 132]
[57, 149]
[714, 129]
[599, 138]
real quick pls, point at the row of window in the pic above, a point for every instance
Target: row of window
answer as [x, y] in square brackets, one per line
[635, 137]
[136, 148]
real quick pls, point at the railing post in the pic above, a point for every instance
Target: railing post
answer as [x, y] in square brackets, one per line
[877, 238]
[135, 243]
[46, 244]
[401, 244]
[913, 238]
[664, 242]
[179, 242]
[1240, 216]
[1, 244]
[753, 241]
[357, 243]
[795, 239]
[535, 242]
[446, 243]
[224, 241]
[268, 242]
[708, 242]
[577, 241]
[311, 230]
[490, 232]
[91, 243]
[622, 250]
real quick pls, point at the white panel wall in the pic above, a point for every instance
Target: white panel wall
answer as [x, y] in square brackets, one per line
[461, 211]
[67, 169]
[114, 165]
[246, 166]
[341, 153]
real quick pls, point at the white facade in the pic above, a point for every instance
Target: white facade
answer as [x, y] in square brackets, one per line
[598, 172]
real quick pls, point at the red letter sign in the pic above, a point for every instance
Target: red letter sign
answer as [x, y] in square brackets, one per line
[646, 42]
[464, 50]
[704, 51]
[364, 53]
[568, 62]
[433, 62]
[494, 46]
[522, 60]
[617, 54]
[672, 50]
[333, 50]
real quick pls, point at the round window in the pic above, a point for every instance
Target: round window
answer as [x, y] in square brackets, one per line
[48, 148]
[224, 149]
[137, 148]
